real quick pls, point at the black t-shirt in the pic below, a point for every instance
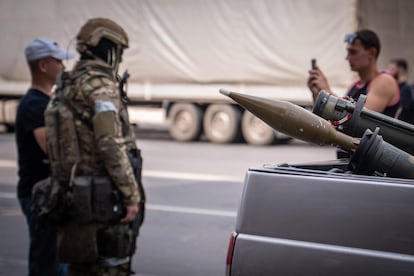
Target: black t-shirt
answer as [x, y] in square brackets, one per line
[406, 102]
[31, 158]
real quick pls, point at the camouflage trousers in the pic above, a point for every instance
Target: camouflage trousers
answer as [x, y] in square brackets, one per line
[93, 269]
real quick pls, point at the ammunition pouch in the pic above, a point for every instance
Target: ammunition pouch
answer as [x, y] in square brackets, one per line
[49, 201]
[94, 199]
[90, 199]
[114, 241]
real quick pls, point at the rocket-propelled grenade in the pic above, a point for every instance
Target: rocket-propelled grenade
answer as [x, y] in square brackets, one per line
[294, 121]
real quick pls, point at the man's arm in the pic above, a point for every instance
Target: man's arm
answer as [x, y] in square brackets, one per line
[382, 91]
[111, 145]
[40, 137]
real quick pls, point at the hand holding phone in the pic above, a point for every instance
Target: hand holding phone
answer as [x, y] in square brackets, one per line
[313, 64]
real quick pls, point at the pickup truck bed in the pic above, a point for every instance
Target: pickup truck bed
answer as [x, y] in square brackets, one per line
[320, 220]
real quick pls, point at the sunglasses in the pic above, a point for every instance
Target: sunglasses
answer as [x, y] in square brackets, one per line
[350, 38]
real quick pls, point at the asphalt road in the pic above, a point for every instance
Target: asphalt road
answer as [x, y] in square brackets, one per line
[193, 192]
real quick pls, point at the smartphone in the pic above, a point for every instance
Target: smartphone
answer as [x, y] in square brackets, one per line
[313, 64]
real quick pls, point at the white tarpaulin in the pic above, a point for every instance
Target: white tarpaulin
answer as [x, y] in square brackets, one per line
[262, 42]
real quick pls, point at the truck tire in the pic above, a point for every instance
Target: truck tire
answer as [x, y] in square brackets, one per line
[255, 131]
[185, 122]
[222, 123]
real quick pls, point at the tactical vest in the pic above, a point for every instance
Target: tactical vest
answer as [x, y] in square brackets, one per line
[82, 176]
[69, 125]
[63, 150]
[68, 129]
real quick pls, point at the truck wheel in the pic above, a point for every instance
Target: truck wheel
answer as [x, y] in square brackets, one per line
[222, 123]
[255, 131]
[185, 122]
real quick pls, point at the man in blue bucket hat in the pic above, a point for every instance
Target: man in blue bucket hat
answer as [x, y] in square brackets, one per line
[45, 60]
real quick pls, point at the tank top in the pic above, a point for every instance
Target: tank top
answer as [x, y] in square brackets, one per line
[359, 89]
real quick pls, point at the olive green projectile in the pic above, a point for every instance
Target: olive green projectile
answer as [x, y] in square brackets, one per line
[294, 121]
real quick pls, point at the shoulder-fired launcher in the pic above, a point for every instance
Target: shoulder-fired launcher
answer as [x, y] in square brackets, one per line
[369, 155]
[294, 120]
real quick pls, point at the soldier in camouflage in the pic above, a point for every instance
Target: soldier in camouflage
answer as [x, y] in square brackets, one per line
[89, 143]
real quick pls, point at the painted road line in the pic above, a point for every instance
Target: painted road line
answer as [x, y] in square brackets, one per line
[10, 212]
[8, 164]
[190, 176]
[161, 174]
[12, 261]
[8, 195]
[154, 207]
[191, 210]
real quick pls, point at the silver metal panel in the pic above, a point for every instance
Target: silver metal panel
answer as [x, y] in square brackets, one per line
[269, 256]
[324, 211]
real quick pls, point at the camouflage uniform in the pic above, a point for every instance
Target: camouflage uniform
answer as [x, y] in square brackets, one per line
[94, 143]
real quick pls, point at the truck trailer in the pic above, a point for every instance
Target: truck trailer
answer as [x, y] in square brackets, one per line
[182, 52]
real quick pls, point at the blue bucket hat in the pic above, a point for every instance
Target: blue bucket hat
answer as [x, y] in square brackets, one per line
[45, 47]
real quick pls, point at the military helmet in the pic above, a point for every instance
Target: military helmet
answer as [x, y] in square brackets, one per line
[97, 28]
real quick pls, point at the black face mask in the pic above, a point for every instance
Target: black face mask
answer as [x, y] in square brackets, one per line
[106, 50]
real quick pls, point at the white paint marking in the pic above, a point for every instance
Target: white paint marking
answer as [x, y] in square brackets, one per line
[160, 174]
[12, 261]
[190, 210]
[164, 208]
[8, 195]
[190, 176]
[8, 164]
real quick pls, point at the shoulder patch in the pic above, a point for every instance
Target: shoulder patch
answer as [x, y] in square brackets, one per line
[102, 106]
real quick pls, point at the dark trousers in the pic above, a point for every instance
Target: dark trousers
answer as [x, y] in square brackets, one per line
[42, 245]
